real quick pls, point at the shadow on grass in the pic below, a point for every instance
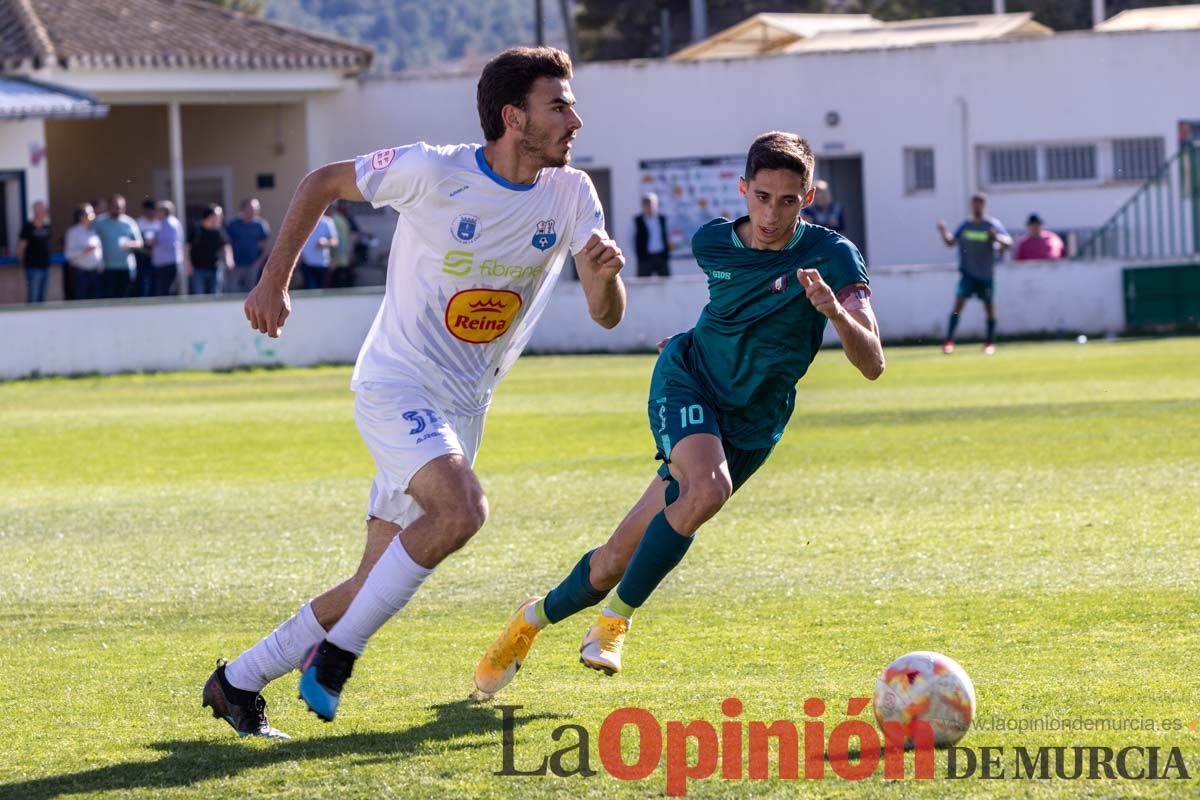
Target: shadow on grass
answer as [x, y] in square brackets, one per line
[190, 761]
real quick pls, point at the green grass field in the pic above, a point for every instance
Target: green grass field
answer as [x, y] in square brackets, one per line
[1033, 515]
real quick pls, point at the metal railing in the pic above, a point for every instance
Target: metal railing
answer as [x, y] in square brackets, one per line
[1162, 218]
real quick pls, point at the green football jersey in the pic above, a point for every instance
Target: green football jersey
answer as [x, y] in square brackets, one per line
[759, 333]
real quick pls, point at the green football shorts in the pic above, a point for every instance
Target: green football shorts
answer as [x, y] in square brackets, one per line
[678, 413]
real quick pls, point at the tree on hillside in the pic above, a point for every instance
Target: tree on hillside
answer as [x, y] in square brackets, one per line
[616, 29]
[418, 34]
[1061, 15]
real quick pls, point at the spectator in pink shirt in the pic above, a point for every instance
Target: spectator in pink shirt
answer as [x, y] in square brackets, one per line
[1038, 243]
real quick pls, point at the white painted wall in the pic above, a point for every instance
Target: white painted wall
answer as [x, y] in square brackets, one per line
[1069, 87]
[183, 334]
[18, 139]
[212, 333]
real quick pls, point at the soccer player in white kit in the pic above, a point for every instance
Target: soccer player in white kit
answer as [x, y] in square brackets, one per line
[482, 236]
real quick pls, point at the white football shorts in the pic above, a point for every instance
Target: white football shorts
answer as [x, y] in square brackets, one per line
[405, 429]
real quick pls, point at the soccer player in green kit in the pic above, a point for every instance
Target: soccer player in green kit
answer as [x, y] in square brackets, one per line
[720, 396]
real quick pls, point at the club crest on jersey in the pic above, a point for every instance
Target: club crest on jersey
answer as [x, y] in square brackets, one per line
[779, 284]
[466, 228]
[544, 237]
[380, 159]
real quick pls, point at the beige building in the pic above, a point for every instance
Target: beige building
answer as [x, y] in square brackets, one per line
[203, 105]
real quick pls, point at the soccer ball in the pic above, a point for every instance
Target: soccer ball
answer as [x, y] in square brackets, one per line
[930, 687]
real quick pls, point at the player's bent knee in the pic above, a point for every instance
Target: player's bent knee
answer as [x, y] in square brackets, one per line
[464, 521]
[478, 512]
[714, 493]
[705, 498]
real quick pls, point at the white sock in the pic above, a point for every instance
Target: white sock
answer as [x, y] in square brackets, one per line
[392, 582]
[608, 612]
[278, 653]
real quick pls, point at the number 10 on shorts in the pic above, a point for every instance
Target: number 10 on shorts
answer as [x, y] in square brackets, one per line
[691, 415]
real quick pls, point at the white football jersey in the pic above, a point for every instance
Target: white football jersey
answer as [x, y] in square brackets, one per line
[472, 265]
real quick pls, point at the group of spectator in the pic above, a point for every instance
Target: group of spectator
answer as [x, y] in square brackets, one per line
[112, 255]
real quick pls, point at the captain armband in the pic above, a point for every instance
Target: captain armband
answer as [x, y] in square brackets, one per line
[854, 297]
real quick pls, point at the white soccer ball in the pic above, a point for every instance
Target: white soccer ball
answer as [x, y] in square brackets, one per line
[930, 687]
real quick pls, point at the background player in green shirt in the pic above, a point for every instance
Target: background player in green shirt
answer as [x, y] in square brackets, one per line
[720, 396]
[976, 239]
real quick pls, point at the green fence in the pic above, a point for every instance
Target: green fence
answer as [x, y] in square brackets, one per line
[1162, 296]
[1161, 219]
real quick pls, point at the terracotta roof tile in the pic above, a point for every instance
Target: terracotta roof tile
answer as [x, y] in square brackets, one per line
[22, 37]
[161, 33]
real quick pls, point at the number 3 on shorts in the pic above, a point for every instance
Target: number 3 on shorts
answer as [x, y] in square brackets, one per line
[418, 417]
[691, 415]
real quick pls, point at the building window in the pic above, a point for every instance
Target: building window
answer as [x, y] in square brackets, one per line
[1011, 165]
[918, 169]
[1071, 162]
[12, 210]
[1138, 159]
[1065, 163]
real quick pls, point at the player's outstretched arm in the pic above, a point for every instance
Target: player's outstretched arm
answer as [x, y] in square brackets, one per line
[947, 238]
[599, 264]
[857, 328]
[268, 305]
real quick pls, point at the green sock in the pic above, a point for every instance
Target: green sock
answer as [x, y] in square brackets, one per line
[661, 549]
[572, 595]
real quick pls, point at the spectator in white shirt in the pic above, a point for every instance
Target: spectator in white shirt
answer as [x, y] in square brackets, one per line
[83, 254]
[167, 253]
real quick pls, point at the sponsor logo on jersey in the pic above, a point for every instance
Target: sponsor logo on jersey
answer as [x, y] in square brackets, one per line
[466, 228]
[779, 284]
[380, 159]
[460, 264]
[480, 316]
[721, 275]
[494, 269]
[460, 190]
[544, 237]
